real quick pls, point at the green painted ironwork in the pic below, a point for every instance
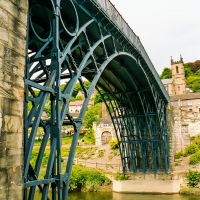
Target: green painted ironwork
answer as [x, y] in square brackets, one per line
[69, 41]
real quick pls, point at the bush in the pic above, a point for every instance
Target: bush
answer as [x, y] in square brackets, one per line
[114, 144]
[119, 176]
[101, 153]
[89, 137]
[193, 178]
[87, 179]
[178, 155]
[193, 148]
[195, 158]
[197, 141]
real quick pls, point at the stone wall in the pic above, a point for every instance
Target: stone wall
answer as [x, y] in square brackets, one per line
[13, 22]
[184, 125]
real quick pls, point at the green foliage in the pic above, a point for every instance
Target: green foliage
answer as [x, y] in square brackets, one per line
[196, 141]
[114, 144]
[87, 179]
[192, 72]
[167, 73]
[188, 71]
[101, 153]
[193, 82]
[89, 137]
[120, 177]
[195, 158]
[176, 163]
[97, 98]
[197, 73]
[92, 114]
[85, 153]
[44, 158]
[192, 148]
[78, 88]
[195, 66]
[178, 155]
[89, 118]
[75, 98]
[193, 178]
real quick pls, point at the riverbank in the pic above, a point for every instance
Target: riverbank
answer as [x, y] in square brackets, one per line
[179, 172]
[105, 158]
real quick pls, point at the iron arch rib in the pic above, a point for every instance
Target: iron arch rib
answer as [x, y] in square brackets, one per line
[67, 43]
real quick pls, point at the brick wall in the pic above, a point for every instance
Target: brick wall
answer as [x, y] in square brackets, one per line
[13, 20]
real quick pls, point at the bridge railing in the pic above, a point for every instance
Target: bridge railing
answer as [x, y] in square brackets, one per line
[112, 13]
[118, 20]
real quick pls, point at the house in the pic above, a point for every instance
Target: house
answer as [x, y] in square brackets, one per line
[75, 106]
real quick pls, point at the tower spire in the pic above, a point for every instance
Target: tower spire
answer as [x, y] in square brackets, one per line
[181, 59]
[172, 61]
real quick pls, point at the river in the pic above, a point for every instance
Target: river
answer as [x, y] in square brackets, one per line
[118, 196]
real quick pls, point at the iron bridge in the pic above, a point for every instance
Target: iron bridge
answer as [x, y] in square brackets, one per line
[70, 41]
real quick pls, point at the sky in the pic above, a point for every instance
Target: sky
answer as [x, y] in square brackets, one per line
[165, 27]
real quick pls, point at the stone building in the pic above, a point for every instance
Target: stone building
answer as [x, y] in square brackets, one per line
[104, 129]
[187, 102]
[75, 107]
[176, 85]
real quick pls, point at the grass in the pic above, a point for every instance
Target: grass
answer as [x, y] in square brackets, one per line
[192, 150]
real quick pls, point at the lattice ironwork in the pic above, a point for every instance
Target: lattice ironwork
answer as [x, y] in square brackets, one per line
[70, 41]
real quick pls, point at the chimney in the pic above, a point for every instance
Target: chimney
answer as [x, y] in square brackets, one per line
[104, 113]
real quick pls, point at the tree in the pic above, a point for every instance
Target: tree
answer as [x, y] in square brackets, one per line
[195, 66]
[193, 82]
[89, 118]
[167, 73]
[92, 114]
[97, 98]
[188, 71]
[196, 85]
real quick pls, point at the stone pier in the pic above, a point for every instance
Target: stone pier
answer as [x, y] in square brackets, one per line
[159, 183]
[13, 23]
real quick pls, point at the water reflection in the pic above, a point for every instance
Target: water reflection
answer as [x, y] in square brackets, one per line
[118, 196]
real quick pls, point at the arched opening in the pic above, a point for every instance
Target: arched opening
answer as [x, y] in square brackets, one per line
[106, 137]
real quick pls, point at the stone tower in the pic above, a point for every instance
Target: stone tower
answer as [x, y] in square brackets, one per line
[178, 77]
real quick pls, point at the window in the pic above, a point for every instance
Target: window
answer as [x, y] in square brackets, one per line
[177, 69]
[190, 105]
[179, 88]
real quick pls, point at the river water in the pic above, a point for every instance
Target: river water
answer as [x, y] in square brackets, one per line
[118, 196]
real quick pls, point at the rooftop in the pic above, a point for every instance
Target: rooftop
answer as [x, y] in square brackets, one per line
[166, 81]
[185, 96]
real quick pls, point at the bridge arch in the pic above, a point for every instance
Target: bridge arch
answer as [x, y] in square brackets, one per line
[71, 45]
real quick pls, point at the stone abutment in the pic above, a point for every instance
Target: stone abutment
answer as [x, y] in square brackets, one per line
[13, 23]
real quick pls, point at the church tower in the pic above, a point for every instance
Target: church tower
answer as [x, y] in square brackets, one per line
[178, 77]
